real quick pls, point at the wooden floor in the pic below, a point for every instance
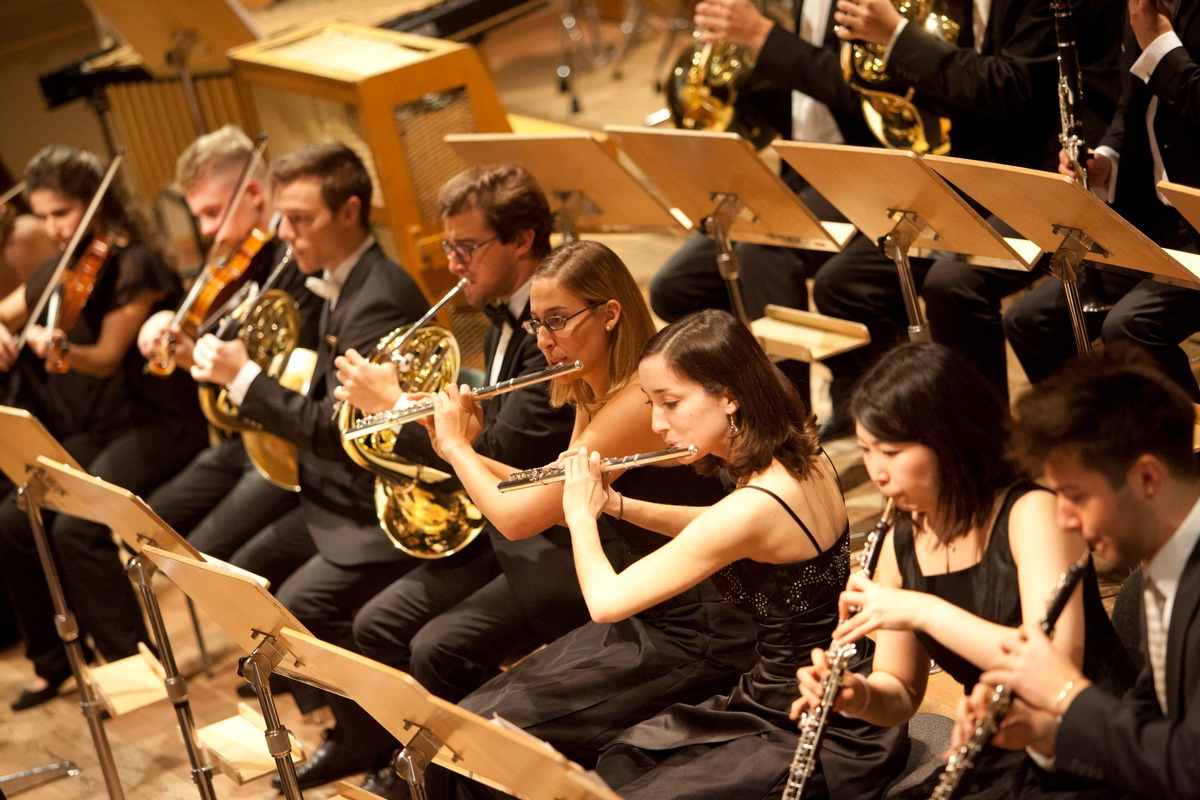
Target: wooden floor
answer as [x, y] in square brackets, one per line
[151, 760]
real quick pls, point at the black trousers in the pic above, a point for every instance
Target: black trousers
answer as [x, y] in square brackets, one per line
[962, 305]
[89, 564]
[449, 623]
[691, 281]
[1153, 316]
[220, 501]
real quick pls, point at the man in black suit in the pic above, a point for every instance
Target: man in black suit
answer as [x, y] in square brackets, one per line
[996, 84]
[1152, 138]
[219, 500]
[1113, 439]
[324, 194]
[451, 622]
[795, 87]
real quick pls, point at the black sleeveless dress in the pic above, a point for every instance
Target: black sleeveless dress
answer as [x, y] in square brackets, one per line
[990, 590]
[588, 686]
[740, 745]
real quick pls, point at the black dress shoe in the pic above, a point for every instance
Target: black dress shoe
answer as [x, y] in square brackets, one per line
[387, 784]
[30, 698]
[334, 759]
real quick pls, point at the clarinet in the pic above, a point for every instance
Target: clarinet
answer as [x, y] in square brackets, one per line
[1070, 89]
[962, 760]
[1070, 116]
[812, 726]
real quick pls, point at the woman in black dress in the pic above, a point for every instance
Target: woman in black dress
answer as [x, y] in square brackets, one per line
[974, 550]
[122, 425]
[777, 546]
[586, 687]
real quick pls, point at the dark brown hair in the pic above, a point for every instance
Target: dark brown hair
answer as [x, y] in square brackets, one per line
[714, 350]
[1109, 409]
[340, 171]
[930, 394]
[508, 196]
[77, 174]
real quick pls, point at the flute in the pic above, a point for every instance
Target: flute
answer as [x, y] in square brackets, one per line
[540, 476]
[398, 416]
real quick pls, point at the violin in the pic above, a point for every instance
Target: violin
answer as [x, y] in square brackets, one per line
[75, 287]
[217, 284]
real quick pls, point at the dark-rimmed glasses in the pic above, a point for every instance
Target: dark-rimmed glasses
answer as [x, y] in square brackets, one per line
[558, 321]
[464, 251]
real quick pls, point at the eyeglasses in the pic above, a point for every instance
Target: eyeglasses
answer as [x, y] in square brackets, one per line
[464, 251]
[558, 321]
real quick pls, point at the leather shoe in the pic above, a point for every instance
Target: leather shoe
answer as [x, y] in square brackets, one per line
[385, 783]
[31, 698]
[334, 759]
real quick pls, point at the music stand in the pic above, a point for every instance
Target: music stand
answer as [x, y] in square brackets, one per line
[719, 181]
[241, 605]
[1062, 218]
[25, 440]
[431, 729]
[893, 198]
[83, 495]
[1186, 200]
[182, 38]
[596, 193]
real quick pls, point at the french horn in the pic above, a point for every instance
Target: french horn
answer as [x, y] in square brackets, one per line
[424, 511]
[895, 119]
[269, 328]
[703, 88]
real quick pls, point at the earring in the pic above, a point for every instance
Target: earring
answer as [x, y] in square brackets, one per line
[608, 327]
[733, 428]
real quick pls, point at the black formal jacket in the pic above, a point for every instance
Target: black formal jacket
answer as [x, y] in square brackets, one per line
[337, 495]
[1127, 742]
[1176, 83]
[1002, 101]
[520, 428]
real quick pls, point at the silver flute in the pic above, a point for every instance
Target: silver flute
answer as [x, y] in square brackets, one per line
[962, 760]
[540, 476]
[394, 417]
[813, 724]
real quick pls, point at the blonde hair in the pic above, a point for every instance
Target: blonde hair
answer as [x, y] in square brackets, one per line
[594, 274]
[224, 151]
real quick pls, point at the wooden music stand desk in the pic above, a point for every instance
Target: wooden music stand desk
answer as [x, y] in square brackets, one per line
[432, 729]
[719, 182]
[589, 189]
[895, 199]
[1186, 200]
[241, 605]
[25, 441]
[1062, 218]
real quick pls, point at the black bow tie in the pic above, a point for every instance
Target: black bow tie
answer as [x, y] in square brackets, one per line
[500, 316]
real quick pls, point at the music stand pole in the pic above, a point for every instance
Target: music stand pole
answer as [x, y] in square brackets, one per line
[410, 763]
[141, 570]
[30, 495]
[257, 668]
[896, 245]
[1066, 264]
[573, 205]
[28, 779]
[716, 227]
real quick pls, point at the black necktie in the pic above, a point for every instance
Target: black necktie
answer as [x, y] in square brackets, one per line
[500, 316]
